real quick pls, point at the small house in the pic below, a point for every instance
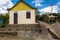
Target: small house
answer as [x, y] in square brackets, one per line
[22, 13]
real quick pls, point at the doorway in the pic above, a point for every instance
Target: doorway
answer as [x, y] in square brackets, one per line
[15, 18]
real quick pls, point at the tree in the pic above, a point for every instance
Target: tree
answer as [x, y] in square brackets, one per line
[58, 17]
[5, 19]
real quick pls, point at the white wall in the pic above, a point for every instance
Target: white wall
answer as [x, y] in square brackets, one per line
[11, 18]
[22, 17]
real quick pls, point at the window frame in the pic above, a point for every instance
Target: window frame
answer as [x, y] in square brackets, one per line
[28, 15]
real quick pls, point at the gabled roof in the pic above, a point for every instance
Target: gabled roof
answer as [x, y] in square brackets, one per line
[19, 2]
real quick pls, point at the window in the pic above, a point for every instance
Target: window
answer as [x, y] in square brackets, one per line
[28, 15]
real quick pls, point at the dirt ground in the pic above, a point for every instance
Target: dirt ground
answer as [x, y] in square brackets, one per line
[10, 37]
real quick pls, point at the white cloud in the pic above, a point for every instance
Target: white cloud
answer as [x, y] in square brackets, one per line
[37, 2]
[38, 5]
[4, 4]
[58, 3]
[48, 9]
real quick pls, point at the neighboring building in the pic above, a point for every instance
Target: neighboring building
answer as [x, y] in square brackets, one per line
[50, 15]
[22, 13]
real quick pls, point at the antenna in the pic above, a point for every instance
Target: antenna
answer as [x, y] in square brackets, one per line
[37, 2]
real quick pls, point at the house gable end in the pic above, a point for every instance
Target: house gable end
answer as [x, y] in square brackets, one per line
[21, 6]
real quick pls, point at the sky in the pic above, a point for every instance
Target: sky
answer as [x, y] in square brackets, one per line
[41, 5]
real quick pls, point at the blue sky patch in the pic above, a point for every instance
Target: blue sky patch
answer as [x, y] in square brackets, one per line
[39, 4]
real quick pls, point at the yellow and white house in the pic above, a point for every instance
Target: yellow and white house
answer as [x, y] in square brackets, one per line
[22, 13]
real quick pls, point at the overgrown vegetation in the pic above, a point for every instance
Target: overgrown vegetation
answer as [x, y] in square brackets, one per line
[45, 18]
[4, 18]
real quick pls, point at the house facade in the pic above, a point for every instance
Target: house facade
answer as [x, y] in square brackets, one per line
[22, 13]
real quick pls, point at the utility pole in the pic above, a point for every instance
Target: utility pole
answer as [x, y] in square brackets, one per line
[37, 3]
[51, 8]
[51, 5]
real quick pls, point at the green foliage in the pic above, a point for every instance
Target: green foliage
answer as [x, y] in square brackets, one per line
[58, 17]
[37, 17]
[4, 18]
[42, 18]
[45, 18]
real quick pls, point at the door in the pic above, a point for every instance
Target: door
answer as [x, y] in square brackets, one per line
[15, 18]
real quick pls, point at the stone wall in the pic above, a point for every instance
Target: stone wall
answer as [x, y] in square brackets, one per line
[24, 26]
